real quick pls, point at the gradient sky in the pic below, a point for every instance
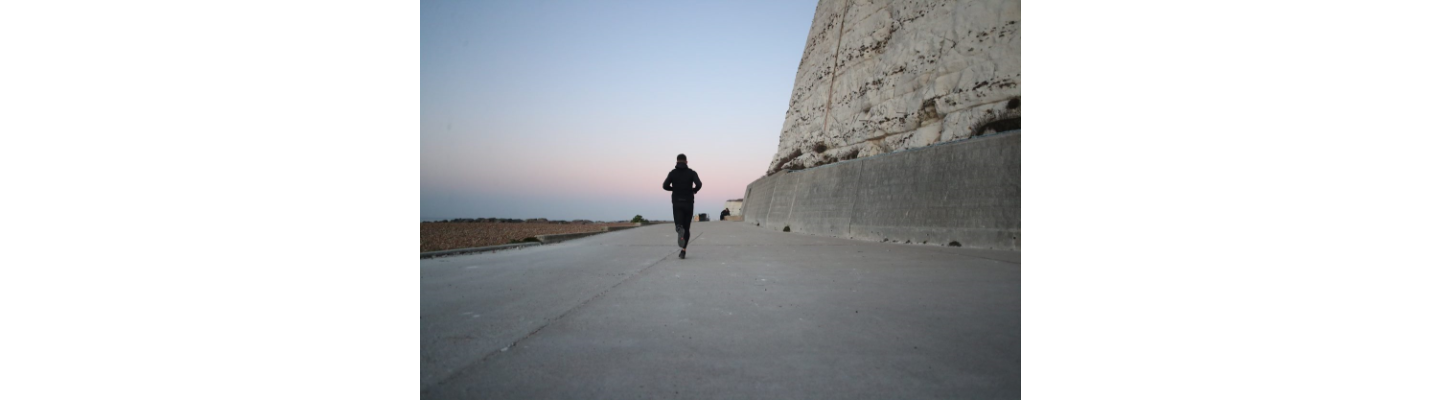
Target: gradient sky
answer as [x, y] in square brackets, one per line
[576, 109]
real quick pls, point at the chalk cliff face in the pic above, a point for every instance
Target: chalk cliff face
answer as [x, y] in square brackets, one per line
[883, 76]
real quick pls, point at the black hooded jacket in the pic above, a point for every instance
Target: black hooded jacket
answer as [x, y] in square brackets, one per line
[678, 184]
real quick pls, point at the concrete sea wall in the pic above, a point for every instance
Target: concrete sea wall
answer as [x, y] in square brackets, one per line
[966, 192]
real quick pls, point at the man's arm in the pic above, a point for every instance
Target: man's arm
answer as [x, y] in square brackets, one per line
[697, 181]
[669, 182]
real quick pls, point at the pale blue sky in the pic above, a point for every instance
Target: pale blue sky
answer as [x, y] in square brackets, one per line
[576, 109]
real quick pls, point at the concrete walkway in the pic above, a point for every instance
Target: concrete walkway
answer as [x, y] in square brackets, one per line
[751, 313]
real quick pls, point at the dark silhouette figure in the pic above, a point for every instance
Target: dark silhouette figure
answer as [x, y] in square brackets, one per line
[682, 198]
[724, 213]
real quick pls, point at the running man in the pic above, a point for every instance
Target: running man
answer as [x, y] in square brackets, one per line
[682, 198]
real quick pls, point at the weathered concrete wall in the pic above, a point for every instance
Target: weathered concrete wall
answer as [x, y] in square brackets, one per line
[967, 192]
[782, 197]
[888, 75]
[757, 200]
[824, 199]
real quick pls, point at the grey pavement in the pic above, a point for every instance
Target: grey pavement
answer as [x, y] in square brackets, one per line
[750, 313]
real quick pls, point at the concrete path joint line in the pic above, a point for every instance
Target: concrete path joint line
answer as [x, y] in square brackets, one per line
[760, 314]
[487, 356]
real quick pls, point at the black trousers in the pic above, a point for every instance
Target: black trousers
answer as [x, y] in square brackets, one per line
[683, 214]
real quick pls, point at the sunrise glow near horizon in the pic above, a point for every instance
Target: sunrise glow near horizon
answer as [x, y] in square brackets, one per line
[576, 110]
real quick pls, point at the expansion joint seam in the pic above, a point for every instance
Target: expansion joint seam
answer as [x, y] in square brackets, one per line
[791, 211]
[770, 207]
[854, 198]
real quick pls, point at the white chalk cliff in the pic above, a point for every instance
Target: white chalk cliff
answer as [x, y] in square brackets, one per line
[883, 76]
